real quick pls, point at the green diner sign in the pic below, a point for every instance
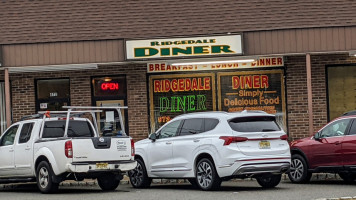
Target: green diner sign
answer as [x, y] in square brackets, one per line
[183, 47]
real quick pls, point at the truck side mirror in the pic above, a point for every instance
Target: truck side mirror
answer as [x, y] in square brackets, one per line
[153, 137]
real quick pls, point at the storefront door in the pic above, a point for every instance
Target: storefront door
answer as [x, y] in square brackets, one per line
[110, 91]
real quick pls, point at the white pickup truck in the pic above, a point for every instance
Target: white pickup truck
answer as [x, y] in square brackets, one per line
[50, 150]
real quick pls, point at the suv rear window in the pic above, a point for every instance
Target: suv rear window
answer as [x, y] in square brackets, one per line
[54, 129]
[254, 124]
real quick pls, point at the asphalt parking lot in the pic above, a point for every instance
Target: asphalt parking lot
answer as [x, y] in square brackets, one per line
[236, 189]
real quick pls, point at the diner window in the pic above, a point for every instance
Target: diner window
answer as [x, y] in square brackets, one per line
[52, 94]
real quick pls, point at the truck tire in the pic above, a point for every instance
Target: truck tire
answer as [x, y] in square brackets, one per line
[108, 182]
[44, 178]
[269, 181]
[206, 176]
[139, 177]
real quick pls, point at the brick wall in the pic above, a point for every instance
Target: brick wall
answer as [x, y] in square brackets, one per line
[23, 92]
[297, 97]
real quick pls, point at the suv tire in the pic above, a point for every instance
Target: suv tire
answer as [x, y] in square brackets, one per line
[44, 177]
[299, 170]
[206, 175]
[269, 181]
[347, 176]
[108, 182]
[138, 176]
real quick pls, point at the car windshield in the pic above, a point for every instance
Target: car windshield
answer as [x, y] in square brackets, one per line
[254, 124]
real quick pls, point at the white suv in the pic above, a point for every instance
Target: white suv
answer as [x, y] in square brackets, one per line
[210, 147]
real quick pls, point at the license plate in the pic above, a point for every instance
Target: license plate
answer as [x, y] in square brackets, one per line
[101, 165]
[264, 145]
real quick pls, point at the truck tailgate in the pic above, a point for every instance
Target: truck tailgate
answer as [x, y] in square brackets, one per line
[98, 149]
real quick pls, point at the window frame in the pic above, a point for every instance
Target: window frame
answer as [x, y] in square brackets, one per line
[158, 133]
[6, 132]
[29, 138]
[347, 129]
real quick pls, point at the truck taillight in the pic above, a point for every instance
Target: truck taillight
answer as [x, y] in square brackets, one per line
[229, 139]
[132, 147]
[68, 149]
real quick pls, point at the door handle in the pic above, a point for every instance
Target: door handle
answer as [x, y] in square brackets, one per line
[337, 142]
[11, 150]
[27, 148]
[196, 140]
[168, 142]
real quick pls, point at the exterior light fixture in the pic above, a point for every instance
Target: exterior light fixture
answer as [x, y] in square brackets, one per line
[352, 53]
[215, 62]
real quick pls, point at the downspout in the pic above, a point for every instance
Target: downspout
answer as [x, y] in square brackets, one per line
[310, 94]
[7, 98]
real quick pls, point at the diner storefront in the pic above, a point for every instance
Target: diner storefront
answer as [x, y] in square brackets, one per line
[302, 74]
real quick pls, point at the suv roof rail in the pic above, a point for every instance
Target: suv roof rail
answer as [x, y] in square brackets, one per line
[253, 111]
[353, 112]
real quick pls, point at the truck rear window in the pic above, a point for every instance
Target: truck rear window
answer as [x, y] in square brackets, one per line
[254, 124]
[55, 129]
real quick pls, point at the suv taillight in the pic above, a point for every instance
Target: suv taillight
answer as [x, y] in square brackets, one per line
[132, 148]
[284, 137]
[229, 139]
[68, 149]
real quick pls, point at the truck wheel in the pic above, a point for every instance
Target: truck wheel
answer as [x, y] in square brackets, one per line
[269, 181]
[139, 177]
[206, 175]
[44, 177]
[299, 170]
[108, 182]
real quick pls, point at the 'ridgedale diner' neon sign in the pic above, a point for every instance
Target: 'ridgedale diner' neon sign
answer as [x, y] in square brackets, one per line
[109, 86]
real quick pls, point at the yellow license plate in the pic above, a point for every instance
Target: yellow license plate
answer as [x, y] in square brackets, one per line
[264, 145]
[101, 165]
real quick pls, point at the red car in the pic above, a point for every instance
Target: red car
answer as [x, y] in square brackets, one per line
[332, 149]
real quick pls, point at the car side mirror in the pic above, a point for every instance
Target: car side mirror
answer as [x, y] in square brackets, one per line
[153, 137]
[317, 136]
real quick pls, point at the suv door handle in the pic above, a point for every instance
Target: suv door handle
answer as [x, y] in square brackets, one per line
[27, 148]
[11, 150]
[168, 142]
[337, 142]
[196, 140]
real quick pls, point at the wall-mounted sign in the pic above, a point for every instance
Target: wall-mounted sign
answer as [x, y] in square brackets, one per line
[253, 90]
[109, 86]
[184, 47]
[261, 62]
[172, 95]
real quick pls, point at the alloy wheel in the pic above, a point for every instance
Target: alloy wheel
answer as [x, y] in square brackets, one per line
[297, 169]
[43, 177]
[204, 174]
[137, 175]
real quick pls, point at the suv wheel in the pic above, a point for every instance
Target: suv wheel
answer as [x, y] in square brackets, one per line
[299, 170]
[44, 175]
[348, 177]
[138, 176]
[206, 176]
[269, 181]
